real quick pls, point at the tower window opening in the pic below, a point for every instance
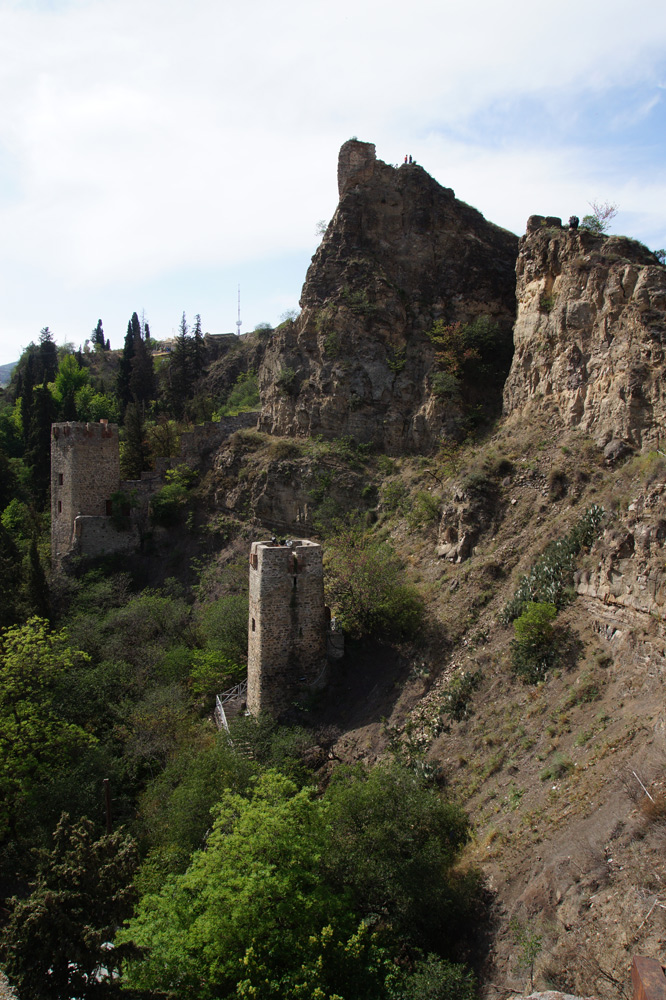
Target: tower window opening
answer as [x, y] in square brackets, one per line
[253, 625]
[60, 479]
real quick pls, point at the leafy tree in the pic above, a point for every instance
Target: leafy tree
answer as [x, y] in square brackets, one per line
[55, 943]
[393, 844]
[10, 578]
[175, 809]
[36, 741]
[170, 504]
[278, 904]
[70, 378]
[243, 396]
[366, 586]
[603, 213]
[431, 978]
[222, 626]
[94, 405]
[256, 888]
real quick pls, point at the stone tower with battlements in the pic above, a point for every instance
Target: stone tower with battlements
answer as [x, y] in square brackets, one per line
[85, 471]
[287, 624]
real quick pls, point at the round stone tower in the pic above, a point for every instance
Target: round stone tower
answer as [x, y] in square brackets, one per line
[287, 624]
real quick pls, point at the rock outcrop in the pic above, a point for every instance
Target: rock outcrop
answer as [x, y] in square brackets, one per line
[627, 562]
[400, 253]
[590, 335]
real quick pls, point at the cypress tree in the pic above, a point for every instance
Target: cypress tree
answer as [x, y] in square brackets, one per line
[38, 450]
[123, 389]
[135, 451]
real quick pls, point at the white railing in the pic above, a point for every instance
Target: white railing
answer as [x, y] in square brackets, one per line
[231, 694]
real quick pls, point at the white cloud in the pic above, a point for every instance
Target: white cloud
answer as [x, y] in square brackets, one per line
[153, 137]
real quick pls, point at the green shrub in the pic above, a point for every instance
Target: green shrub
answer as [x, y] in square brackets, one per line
[394, 496]
[559, 767]
[550, 580]
[286, 381]
[534, 650]
[424, 509]
[332, 345]
[458, 693]
[367, 588]
[170, 504]
[446, 385]
[243, 396]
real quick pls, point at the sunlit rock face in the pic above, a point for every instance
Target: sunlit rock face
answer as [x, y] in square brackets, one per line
[400, 253]
[590, 334]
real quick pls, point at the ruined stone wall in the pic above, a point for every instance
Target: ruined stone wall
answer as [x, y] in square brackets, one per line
[287, 624]
[206, 437]
[85, 471]
[98, 536]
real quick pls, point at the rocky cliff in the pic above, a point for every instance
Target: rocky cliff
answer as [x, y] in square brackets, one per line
[590, 334]
[400, 253]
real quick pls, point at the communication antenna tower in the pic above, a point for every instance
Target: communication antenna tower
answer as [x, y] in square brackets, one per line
[239, 322]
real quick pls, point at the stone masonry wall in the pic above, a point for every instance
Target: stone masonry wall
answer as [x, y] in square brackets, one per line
[287, 624]
[85, 471]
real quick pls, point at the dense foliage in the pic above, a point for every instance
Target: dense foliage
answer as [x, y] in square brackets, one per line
[366, 585]
[297, 892]
[247, 876]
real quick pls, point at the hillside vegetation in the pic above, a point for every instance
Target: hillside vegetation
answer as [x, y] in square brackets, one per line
[476, 803]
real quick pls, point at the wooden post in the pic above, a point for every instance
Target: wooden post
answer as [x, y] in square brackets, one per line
[648, 978]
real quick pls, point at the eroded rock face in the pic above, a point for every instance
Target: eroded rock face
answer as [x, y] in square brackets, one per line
[465, 518]
[627, 568]
[590, 333]
[400, 253]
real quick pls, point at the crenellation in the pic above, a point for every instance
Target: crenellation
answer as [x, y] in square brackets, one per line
[85, 471]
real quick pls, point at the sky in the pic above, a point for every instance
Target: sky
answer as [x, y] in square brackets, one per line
[157, 154]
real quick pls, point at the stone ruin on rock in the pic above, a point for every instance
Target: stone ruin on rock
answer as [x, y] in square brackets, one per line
[400, 254]
[85, 473]
[288, 621]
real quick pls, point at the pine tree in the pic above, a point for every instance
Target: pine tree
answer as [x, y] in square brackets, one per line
[180, 371]
[197, 350]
